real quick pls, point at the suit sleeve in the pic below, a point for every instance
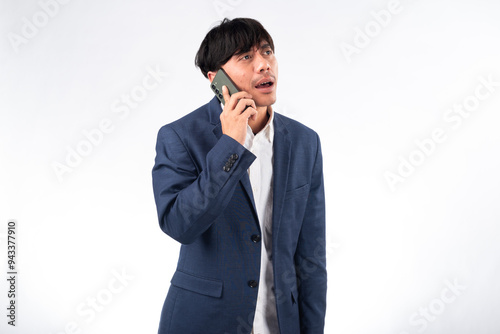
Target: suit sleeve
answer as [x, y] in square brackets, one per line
[310, 256]
[187, 200]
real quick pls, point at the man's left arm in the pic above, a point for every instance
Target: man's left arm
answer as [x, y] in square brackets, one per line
[310, 256]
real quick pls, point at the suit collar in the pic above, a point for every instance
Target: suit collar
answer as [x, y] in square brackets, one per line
[214, 110]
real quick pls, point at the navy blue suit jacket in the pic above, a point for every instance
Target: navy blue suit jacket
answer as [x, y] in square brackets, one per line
[204, 200]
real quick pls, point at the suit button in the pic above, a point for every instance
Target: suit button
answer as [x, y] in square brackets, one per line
[252, 284]
[226, 168]
[234, 157]
[256, 238]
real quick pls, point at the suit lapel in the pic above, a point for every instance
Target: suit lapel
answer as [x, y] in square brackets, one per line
[281, 155]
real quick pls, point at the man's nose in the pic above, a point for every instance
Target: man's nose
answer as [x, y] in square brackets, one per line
[261, 63]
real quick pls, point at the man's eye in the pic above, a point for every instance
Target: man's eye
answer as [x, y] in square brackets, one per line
[246, 57]
[268, 52]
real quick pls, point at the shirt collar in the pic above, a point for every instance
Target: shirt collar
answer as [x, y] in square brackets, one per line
[268, 131]
[269, 128]
[265, 135]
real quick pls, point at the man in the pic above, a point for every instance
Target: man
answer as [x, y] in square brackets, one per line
[241, 188]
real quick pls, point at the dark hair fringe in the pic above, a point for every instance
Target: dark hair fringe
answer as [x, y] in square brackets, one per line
[229, 38]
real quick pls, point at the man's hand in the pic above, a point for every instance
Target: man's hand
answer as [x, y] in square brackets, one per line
[234, 117]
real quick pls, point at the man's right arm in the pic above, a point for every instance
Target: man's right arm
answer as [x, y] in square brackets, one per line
[189, 201]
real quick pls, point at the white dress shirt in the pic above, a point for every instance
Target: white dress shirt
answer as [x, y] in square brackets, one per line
[261, 179]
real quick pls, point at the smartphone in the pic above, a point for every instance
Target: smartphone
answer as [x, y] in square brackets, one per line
[222, 79]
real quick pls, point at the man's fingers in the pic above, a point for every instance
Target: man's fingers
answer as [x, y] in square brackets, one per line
[249, 113]
[238, 108]
[232, 100]
[225, 94]
[244, 104]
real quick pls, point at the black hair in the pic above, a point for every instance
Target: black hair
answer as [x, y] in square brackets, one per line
[229, 38]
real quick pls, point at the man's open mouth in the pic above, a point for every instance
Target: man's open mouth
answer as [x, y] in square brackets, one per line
[265, 84]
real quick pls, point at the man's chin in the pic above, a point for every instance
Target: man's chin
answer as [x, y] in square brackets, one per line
[265, 101]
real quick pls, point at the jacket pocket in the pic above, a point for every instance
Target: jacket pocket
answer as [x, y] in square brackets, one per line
[201, 285]
[301, 191]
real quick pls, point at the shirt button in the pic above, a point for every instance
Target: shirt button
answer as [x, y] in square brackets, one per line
[252, 284]
[256, 238]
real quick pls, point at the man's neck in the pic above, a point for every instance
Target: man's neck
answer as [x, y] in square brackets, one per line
[262, 118]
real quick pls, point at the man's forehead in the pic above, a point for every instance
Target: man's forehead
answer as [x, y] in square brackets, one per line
[262, 45]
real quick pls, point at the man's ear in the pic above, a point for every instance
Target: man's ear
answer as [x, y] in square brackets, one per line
[211, 75]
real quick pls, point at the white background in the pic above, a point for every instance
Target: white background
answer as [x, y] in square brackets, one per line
[393, 252]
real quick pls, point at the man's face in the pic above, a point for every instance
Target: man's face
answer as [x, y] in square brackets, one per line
[255, 72]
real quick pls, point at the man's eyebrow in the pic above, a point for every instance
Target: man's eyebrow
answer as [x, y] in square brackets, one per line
[263, 46]
[240, 52]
